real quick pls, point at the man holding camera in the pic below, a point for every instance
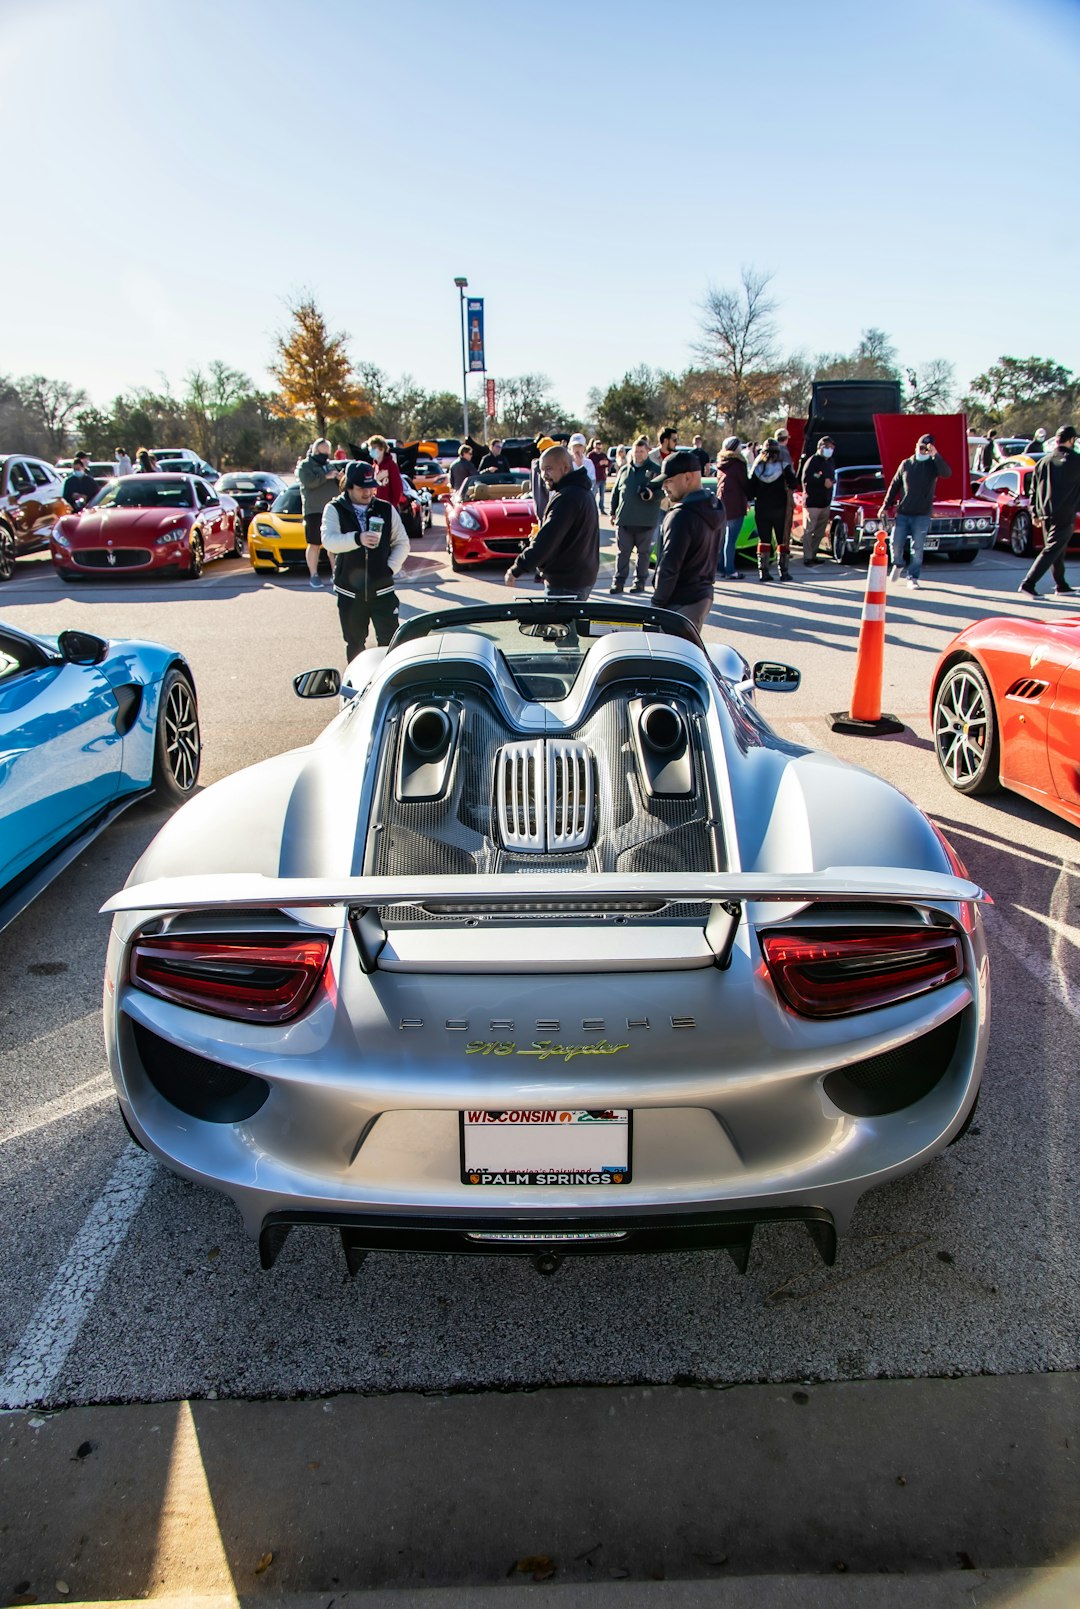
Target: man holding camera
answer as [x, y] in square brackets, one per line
[369, 543]
[635, 513]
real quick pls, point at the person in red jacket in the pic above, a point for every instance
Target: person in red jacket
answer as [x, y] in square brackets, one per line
[387, 473]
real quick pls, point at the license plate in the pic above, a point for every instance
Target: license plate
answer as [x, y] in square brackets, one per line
[930, 545]
[552, 1146]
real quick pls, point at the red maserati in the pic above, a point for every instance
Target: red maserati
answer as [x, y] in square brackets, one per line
[147, 522]
[1005, 710]
[488, 519]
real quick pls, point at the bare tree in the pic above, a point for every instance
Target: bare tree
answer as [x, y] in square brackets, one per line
[931, 387]
[51, 403]
[738, 342]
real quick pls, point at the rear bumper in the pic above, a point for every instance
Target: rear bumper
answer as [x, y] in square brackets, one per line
[562, 1235]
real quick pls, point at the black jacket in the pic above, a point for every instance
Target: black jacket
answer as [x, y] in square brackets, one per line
[773, 493]
[364, 572]
[79, 489]
[915, 484]
[815, 472]
[566, 548]
[1055, 487]
[691, 541]
[494, 461]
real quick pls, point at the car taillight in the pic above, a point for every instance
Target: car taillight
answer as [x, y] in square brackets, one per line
[832, 974]
[250, 978]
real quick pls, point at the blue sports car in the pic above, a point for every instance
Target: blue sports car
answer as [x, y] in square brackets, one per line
[86, 727]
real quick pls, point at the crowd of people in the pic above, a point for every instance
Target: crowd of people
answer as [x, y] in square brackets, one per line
[665, 520]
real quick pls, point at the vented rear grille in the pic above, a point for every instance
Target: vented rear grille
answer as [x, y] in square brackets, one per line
[569, 795]
[519, 772]
[544, 798]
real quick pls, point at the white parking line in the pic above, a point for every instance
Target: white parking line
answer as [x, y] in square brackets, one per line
[38, 1358]
[76, 1100]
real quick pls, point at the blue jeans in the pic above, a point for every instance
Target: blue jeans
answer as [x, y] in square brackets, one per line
[727, 550]
[915, 526]
[600, 495]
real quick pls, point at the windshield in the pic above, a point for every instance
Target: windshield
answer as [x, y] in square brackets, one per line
[545, 643]
[478, 491]
[859, 482]
[145, 491]
[287, 502]
[244, 483]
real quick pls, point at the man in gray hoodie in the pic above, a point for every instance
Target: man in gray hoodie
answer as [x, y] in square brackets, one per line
[318, 477]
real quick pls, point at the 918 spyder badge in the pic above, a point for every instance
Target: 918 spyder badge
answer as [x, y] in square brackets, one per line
[546, 1147]
[543, 1049]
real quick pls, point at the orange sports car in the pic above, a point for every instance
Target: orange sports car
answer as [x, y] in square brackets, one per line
[430, 476]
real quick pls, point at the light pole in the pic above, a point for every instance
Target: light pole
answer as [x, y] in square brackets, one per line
[461, 283]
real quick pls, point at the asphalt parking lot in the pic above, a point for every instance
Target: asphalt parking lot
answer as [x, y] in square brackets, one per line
[124, 1283]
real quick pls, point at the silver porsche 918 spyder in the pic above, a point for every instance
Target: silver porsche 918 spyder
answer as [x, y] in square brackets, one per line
[548, 944]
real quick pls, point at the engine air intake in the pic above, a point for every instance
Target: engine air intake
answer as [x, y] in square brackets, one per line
[545, 796]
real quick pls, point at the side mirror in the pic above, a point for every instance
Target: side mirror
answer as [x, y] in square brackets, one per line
[82, 647]
[774, 678]
[317, 684]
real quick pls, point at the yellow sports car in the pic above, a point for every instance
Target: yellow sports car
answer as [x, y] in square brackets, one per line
[430, 476]
[276, 538]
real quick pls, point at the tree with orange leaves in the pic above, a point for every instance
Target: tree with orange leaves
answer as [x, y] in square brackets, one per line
[314, 371]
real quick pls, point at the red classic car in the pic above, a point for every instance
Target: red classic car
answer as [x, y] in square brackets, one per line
[1008, 488]
[1005, 710]
[960, 524]
[148, 522]
[488, 519]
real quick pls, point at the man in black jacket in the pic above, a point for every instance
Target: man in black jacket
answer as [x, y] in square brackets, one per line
[818, 479]
[79, 487]
[913, 488]
[369, 544]
[691, 540]
[1055, 500]
[566, 548]
[495, 458]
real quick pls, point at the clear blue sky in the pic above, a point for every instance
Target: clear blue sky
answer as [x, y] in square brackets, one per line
[176, 170]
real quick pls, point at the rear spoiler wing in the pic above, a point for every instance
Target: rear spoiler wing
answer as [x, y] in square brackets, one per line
[890, 885]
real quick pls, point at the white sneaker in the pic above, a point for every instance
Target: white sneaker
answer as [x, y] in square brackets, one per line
[895, 573]
[913, 584]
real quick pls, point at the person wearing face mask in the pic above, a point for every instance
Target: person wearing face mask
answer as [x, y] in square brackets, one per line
[387, 473]
[566, 548]
[1055, 501]
[912, 491]
[818, 480]
[318, 477]
[635, 512]
[771, 480]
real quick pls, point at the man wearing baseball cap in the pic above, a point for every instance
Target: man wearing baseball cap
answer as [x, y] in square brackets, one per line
[578, 445]
[692, 530]
[369, 545]
[913, 487]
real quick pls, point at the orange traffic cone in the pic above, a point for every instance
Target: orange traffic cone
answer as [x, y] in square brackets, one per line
[865, 715]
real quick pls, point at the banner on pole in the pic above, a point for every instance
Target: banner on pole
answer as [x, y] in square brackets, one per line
[489, 391]
[475, 319]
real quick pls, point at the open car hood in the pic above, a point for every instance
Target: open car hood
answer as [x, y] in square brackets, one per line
[897, 434]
